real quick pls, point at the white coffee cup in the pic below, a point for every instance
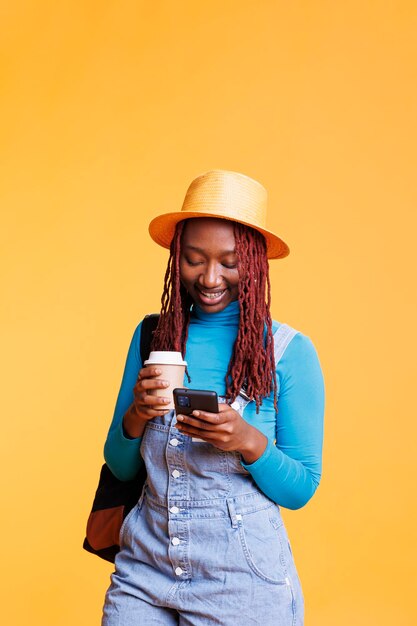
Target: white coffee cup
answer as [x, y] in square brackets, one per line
[172, 368]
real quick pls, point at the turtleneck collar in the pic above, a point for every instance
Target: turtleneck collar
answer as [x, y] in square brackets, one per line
[228, 317]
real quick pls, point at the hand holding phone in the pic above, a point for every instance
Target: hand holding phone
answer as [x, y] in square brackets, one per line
[222, 426]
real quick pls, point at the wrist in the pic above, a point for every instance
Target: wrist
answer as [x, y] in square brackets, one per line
[133, 425]
[254, 446]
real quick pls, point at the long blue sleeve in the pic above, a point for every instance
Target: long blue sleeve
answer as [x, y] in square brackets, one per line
[289, 471]
[121, 454]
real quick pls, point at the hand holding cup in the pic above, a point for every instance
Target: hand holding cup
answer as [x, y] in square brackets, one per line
[163, 372]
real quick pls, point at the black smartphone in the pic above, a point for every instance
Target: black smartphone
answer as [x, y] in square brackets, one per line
[188, 400]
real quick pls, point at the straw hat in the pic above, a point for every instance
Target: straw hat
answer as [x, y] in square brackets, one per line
[224, 195]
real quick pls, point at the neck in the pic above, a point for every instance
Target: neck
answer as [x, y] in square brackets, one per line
[229, 315]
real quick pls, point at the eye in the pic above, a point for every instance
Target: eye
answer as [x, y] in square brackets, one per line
[192, 263]
[230, 264]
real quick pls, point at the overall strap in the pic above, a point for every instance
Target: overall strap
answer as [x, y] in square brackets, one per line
[282, 338]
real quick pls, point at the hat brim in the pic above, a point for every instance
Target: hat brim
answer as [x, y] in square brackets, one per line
[162, 229]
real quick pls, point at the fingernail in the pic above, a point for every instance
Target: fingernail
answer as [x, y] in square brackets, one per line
[196, 413]
[180, 418]
[157, 372]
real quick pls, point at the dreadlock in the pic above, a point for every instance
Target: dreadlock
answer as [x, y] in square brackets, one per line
[172, 330]
[252, 365]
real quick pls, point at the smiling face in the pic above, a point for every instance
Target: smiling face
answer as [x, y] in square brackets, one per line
[208, 263]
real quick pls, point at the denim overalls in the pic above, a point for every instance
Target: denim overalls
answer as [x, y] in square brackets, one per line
[203, 545]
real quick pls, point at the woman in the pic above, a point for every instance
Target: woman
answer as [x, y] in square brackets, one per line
[206, 543]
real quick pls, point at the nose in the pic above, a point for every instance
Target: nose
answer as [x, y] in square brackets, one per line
[211, 277]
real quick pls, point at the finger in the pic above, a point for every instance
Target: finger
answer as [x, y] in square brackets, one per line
[188, 420]
[152, 383]
[148, 400]
[186, 429]
[227, 412]
[148, 372]
[211, 418]
[149, 414]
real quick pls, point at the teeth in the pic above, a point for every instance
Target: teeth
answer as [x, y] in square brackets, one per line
[213, 296]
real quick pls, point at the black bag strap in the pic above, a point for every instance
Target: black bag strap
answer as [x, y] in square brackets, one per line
[149, 324]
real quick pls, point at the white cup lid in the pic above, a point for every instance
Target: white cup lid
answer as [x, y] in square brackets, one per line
[165, 357]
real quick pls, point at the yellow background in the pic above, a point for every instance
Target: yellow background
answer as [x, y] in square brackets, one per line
[108, 110]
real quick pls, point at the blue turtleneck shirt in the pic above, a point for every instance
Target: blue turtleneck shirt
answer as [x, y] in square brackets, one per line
[289, 470]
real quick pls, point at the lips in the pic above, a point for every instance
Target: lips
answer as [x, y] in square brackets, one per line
[211, 297]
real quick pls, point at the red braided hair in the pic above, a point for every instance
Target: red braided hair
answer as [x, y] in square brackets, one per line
[252, 364]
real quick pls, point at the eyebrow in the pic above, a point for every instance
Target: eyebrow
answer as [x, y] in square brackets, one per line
[197, 249]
